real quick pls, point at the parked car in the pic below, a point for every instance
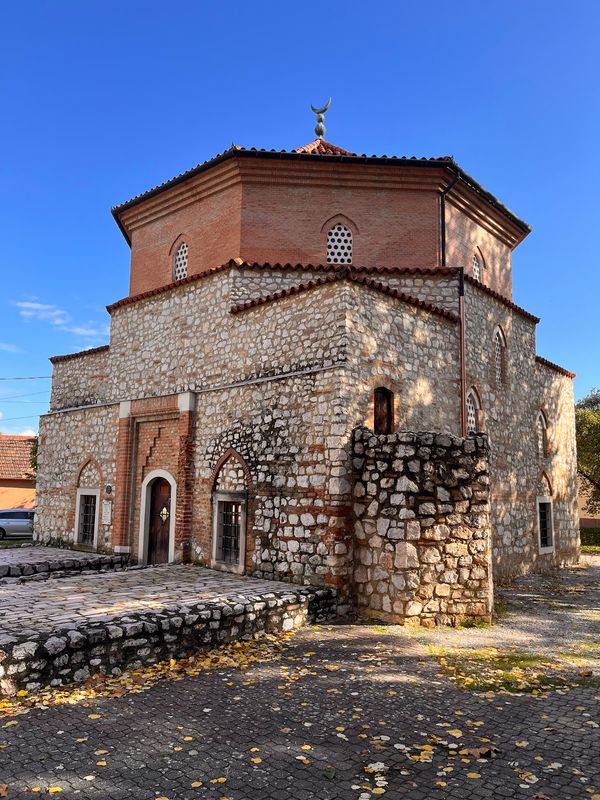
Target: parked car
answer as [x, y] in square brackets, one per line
[16, 522]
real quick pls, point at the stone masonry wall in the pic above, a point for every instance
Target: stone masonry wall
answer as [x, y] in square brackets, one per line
[422, 531]
[67, 442]
[510, 412]
[73, 654]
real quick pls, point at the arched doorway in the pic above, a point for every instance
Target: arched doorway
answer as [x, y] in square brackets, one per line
[159, 520]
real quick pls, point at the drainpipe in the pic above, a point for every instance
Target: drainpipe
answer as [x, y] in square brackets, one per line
[463, 379]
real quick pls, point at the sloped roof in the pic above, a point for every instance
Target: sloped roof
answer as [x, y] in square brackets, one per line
[319, 149]
[15, 452]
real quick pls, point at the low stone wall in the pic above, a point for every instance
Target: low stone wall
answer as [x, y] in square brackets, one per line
[59, 567]
[72, 655]
[422, 527]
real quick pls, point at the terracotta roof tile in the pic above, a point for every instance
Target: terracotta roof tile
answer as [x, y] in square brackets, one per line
[504, 300]
[323, 148]
[555, 367]
[89, 352]
[15, 452]
[345, 275]
[233, 263]
[320, 149]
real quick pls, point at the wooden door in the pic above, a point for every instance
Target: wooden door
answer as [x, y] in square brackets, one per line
[159, 522]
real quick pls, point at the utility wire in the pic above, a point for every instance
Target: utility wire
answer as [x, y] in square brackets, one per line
[26, 378]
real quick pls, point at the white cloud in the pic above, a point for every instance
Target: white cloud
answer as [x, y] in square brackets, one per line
[1, 415]
[9, 348]
[27, 432]
[42, 311]
[61, 319]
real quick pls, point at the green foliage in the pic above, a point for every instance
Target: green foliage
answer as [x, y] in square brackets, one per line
[587, 421]
[590, 536]
[33, 457]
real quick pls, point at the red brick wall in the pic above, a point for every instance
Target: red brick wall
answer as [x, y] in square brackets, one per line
[464, 237]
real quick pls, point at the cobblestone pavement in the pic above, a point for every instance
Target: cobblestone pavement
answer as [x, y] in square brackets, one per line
[31, 554]
[92, 597]
[348, 711]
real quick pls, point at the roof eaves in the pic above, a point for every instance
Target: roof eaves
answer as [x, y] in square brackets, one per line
[555, 367]
[446, 162]
[504, 300]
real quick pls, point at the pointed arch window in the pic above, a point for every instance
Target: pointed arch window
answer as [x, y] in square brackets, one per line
[339, 244]
[499, 357]
[383, 410]
[180, 262]
[476, 267]
[473, 409]
[541, 435]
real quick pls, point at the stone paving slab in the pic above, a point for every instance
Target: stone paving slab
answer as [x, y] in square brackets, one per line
[348, 710]
[32, 554]
[86, 598]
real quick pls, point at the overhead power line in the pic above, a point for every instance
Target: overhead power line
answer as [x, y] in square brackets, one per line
[25, 378]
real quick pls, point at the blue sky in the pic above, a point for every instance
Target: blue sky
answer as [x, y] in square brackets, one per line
[102, 100]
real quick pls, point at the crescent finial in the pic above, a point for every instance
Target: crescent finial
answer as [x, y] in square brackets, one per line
[320, 112]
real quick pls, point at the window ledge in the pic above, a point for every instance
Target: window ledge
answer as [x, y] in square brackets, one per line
[546, 550]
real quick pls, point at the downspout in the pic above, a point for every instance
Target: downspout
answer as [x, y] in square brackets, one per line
[463, 378]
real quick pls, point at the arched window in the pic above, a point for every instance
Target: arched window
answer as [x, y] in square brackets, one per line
[540, 429]
[230, 502]
[339, 244]
[180, 260]
[383, 410]
[476, 267]
[545, 515]
[473, 407]
[499, 357]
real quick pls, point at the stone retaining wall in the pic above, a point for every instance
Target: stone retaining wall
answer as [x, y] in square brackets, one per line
[72, 655]
[422, 530]
[59, 567]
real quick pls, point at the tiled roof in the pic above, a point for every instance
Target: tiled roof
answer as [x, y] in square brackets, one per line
[321, 150]
[125, 301]
[555, 367]
[15, 452]
[504, 300]
[89, 352]
[346, 275]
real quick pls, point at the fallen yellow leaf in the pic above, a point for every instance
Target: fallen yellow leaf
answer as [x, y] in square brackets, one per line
[94, 716]
[473, 775]
[100, 763]
[522, 743]
[256, 760]
[54, 789]
[188, 738]
[307, 747]
[196, 784]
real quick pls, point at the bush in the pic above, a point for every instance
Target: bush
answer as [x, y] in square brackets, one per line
[590, 536]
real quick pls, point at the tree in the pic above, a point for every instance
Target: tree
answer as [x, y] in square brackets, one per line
[33, 456]
[587, 424]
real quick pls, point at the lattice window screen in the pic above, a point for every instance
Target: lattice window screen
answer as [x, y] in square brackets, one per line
[180, 262]
[471, 413]
[499, 358]
[339, 245]
[476, 268]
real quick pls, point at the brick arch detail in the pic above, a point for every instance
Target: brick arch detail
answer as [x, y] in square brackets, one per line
[343, 220]
[231, 453]
[176, 242]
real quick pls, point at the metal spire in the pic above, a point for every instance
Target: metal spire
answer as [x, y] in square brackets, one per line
[320, 112]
